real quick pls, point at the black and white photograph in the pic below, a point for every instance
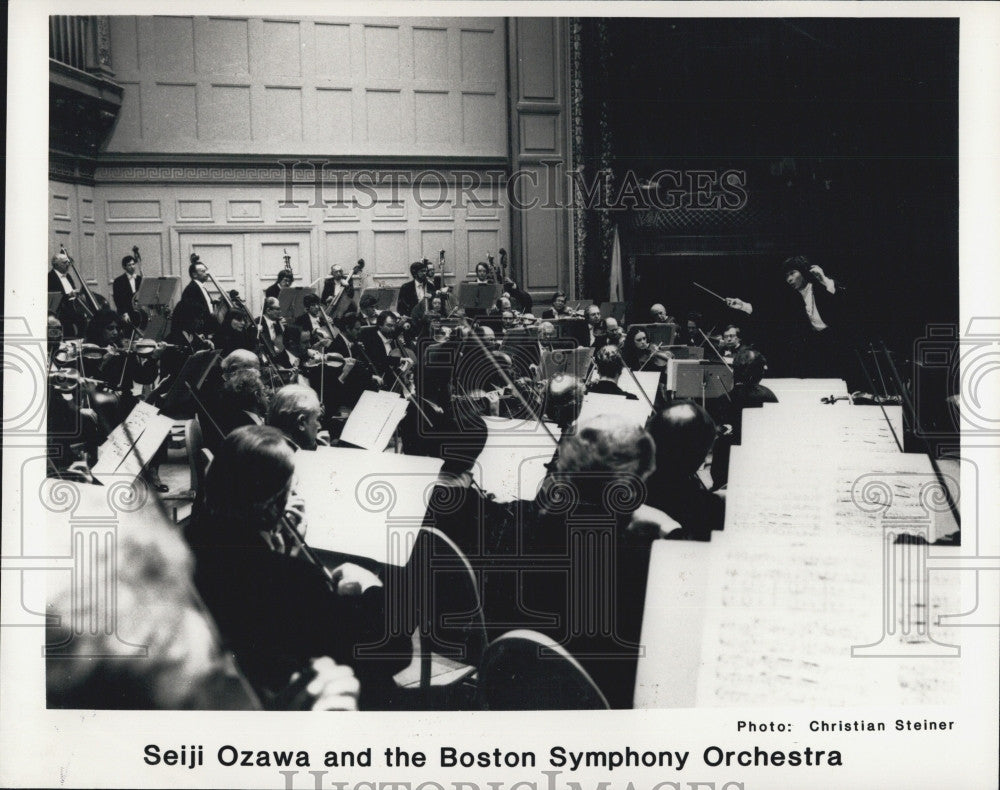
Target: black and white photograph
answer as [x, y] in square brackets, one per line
[469, 395]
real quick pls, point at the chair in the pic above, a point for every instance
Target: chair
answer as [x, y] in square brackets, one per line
[194, 441]
[445, 606]
[525, 670]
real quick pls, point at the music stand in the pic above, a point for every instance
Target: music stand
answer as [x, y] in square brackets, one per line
[386, 298]
[156, 291]
[658, 334]
[700, 381]
[574, 329]
[178, 403]
[686, 352]
[574, 362]
[478, 296]
[290, 301]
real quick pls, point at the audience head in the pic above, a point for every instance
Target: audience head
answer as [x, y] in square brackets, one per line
[608, 362]
[296, 411]
[684, 433]
[749, 366]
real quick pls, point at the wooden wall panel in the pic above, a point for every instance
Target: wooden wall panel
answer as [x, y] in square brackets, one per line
[249, 85]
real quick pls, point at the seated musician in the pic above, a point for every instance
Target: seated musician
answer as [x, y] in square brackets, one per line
[749, 366]
[483, 273]
[295, 410]
[284, 357]
[558, 309]
[240, 399]
[275, 608]
[732, 341]
[658, 314]
[639, 354]
[608, 364]
[284, 280]
[234, 333]
[369, 312]
[311, 318]
[520, 299]
[609, 332]
[118, 368]
[690, 335]
[73, 319]
[271, 323]
[563, 399]
[380, 347]
[73, 431]
[124, 289]
[684, 434]
[593, 316]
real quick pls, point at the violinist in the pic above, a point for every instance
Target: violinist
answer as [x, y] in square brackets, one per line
[234, 333]
[71, 312]
[382, 347]
[609, 332]
[196, 292]
[559, 308]
[593, 316]
[369, 311]
[285, 280]
[639, 354]
[609, 365]
[54, 334]
[119, 366]
[311, 320]
[295, 410]
[123, 290]
[275, 608]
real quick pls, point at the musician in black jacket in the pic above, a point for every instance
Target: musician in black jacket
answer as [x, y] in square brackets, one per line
[609, 365]
[274, 608]
[337, 288]
[73, 318]
[196, 294]
[124, 288]
[421, 287]
[285, 280]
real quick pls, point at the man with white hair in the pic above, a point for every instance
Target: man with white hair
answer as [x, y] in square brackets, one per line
[61, 281]
[295, 410]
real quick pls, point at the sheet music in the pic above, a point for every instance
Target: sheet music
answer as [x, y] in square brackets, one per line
[595, 403]
[132, 443]
[648, 382]
[362, 502]
[374, 419]
[513, 462]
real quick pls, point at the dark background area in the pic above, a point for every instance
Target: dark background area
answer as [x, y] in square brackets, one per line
[847, 130]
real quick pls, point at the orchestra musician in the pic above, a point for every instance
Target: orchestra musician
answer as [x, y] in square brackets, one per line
[196, 293]
[593, 316]
[271, 323]
[284, 280]
[74, 319]
[124, 288]
[380, 346]
[311, 320]
[187, 324]
[609, 365]
[422, 286]
[639, 354]
[274, 607]
[558, 308]
[691, 336]
[295, 410]
[234, 333]
[658, 314]
[336, 288]
[732, 341]
[369, 313]
[684, 434]
[609, 332]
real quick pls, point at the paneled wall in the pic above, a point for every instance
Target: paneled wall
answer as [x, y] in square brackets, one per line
[541, 150]
[389, 86]
[243, 232]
